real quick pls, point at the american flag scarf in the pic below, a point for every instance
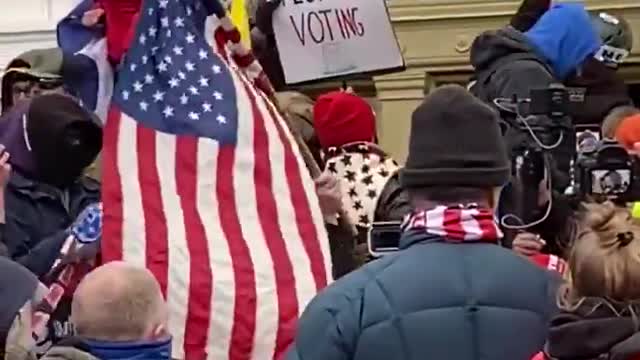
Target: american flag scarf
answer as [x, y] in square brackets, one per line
[461, 223]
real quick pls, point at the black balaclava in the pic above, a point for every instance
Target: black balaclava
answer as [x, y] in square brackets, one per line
[63, 138]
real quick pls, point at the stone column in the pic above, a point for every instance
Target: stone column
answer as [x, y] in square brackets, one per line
[398, 95]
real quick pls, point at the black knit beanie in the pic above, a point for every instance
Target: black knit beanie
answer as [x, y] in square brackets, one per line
[455, 140]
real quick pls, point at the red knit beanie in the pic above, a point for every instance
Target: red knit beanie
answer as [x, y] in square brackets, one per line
[628, 132]
[341, 118]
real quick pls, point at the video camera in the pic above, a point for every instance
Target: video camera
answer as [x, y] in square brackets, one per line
[556, 101]
[604, 169]
[540, 136]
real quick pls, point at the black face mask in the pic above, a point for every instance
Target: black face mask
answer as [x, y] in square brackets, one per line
[64, 140]
[71, 152]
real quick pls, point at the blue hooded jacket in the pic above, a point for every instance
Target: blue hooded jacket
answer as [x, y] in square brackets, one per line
[565, 37]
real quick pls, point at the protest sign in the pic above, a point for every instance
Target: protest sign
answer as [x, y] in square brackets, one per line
[320, 39]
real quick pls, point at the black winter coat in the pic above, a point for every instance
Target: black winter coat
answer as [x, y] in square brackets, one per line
[506, 65]
[37, 218]
[348, 253]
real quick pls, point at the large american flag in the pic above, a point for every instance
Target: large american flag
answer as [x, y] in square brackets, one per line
[204, 185]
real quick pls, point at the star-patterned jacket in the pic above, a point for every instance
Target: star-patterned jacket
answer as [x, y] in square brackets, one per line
[369, 182]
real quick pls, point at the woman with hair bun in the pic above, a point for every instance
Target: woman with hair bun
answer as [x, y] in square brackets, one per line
[600, 303]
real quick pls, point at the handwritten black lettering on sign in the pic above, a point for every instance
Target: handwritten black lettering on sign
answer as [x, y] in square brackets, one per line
[299, 2]
[334, 37]
[326, 25]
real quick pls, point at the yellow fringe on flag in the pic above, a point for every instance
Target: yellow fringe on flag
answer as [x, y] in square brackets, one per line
[240, 19]
[635, 210]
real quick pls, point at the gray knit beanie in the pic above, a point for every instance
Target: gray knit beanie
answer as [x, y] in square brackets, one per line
[455, 140]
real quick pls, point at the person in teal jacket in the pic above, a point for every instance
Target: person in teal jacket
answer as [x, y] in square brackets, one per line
[450, 292]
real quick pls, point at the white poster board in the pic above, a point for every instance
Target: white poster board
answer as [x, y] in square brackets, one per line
[320, 39]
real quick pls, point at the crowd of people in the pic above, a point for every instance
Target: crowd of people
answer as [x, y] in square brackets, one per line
[465, 282]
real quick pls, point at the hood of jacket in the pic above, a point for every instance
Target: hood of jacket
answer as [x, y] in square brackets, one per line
[39, 64]
[597, 327]
[12, 136]
[565, 37]
[51, 138]
[495, 47]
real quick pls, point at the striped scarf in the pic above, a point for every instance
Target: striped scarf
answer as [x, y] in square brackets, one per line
[461, 223]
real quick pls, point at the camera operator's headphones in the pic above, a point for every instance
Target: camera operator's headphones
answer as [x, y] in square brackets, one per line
[617, 38]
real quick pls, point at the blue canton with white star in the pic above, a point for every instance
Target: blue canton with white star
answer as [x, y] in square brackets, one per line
[88, 226]
[171, 79]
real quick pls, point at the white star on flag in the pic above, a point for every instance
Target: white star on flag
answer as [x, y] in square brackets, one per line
[158, 96]
[162, 66]
[168, 111]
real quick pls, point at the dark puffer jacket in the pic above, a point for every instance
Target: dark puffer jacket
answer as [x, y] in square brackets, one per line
[432, 300]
